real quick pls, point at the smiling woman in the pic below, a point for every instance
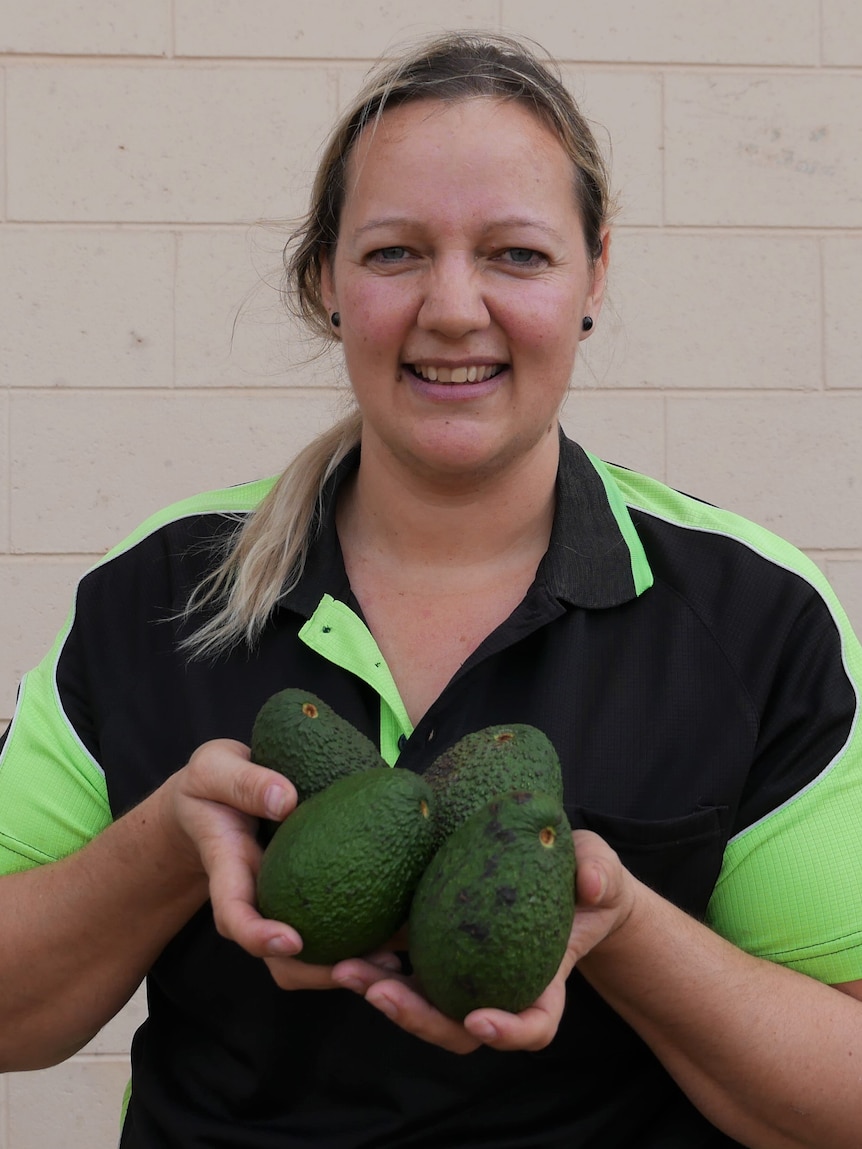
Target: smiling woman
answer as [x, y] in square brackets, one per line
[442, 561]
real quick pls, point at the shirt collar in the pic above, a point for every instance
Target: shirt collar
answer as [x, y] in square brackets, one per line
[595, 558]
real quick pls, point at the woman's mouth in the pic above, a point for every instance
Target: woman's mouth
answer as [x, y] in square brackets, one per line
[475, 373]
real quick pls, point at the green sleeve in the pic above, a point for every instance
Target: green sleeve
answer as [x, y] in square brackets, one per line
[53, 797]
[789, 888]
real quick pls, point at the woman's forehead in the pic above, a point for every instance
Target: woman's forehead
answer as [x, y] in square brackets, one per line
[477, 143]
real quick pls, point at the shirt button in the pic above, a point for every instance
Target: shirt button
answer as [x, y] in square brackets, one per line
[402, 741]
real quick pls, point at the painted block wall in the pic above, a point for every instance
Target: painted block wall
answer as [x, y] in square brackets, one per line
[150, 156]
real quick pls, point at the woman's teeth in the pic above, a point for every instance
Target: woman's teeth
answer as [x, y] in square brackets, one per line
[471, 374]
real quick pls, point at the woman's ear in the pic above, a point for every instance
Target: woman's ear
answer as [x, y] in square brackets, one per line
[327, 284]
[600, 271]
[596, 295]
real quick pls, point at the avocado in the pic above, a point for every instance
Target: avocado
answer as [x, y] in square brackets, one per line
[489, 762]
[300, 736]
[491, 916]
[342, 868]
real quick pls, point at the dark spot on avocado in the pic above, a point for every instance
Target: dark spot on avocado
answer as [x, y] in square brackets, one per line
[468, 985]
[491, 866]
[474, 930]
[522, 797]
[463, 895]
[507, 895]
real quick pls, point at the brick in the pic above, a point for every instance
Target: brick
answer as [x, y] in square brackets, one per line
[2, 158]
[624, 429]
[233, 328]
[625, 114]
[845, 575]
[789, 462]
[163, 143]
[35, 599]
[116, 27]
[842, 32]
[764, 150]
[710, 311]
[116, 1037]
[329, 28]
[87, 309]
[89, 467]
[5, 470]
[842, 280]
[672, 31]
[76, 1105]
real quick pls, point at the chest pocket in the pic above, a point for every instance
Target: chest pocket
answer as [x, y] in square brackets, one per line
[679, 858]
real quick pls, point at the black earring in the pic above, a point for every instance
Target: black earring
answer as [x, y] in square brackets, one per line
[335, 319]
[587, 323]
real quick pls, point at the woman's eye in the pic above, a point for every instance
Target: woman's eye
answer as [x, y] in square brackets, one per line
[389, 254]
[523, 256]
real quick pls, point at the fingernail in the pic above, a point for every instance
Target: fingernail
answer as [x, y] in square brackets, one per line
[483, 1030]
[387, 1006]
[282, 946]
[275, 802]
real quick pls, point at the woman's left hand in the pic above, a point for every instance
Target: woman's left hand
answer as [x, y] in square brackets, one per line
[605, 894]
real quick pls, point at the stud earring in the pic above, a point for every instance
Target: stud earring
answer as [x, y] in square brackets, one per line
[587, 323]
[335, 319]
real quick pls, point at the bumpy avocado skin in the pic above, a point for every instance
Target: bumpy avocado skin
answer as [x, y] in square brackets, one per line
[491, 917]
[302, 737]
[342, 868]
[489, 762]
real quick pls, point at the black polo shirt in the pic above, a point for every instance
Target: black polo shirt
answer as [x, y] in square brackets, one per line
[699, 683]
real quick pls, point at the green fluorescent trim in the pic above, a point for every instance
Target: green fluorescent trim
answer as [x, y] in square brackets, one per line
[54, 792]
[789, 866]
[341, 637]
[641, 573]
[229, 500]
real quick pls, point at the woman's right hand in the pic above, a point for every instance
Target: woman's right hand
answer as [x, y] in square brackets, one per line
[215, 803]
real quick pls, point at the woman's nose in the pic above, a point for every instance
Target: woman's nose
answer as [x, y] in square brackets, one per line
[454, 303]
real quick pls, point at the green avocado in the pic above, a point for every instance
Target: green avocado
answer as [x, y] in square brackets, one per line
[342, 868]
[487, 763]
[491, 917]
[299, 735]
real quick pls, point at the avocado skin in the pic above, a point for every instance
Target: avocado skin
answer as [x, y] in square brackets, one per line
[301, 736]
[491, 917]
[488, 762]
[342, 868]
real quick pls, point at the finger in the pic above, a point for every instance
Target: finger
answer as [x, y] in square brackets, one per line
[413, 1013]
[288, 973]
[531, 1030]
[359, 974]
[221, 771]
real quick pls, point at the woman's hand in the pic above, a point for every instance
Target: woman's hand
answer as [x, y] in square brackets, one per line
[605, 896]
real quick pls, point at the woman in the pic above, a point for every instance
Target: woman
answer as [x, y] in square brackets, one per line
[441, 561]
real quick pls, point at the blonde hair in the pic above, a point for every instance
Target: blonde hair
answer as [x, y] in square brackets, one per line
[266, 556]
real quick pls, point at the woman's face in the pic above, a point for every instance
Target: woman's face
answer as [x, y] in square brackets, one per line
[461, 276]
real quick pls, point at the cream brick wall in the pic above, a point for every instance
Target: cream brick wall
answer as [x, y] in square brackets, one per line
[144, 355]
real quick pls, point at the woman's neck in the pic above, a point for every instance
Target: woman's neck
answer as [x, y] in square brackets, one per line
[426, 522]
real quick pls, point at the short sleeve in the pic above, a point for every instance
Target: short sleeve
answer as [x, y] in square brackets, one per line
[53, 797]
[790, 888]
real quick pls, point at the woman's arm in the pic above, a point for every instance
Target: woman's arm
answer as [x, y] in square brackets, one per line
[770, 1056]
[80, 934]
